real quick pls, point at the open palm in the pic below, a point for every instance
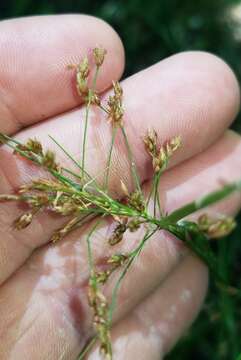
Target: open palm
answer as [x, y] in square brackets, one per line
[43, 305]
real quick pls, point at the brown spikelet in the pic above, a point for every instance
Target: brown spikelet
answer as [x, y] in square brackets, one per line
[99, 305]
[135, 200]
[7, 197]
[34, 146]
[160, 156]
[150, 141]
[3, 139]
[216, 228]
[99, 56]
[115, 109]
[59, 234]
[49, 162]
[118, 233]
[23, 221]
[82, 73]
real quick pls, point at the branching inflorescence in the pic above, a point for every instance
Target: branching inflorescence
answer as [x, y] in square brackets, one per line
[80, 198]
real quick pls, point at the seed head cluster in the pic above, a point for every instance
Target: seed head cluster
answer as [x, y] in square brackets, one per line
[216, 228]
[160, 155]
[77, 197]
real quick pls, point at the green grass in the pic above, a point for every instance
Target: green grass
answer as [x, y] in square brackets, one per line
[216, 333]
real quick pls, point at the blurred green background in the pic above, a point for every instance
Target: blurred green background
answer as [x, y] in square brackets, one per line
[152, 30]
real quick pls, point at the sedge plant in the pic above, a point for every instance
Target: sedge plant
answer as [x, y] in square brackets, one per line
[79, 197]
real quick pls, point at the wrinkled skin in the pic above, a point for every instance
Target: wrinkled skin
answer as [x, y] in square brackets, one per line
[43, 308]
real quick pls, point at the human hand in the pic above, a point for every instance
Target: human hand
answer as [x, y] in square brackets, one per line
[43, 307]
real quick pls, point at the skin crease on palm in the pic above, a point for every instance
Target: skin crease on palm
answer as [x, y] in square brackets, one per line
[43, 306]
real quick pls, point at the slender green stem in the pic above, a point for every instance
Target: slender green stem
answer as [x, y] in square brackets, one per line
[87, 348]
[103, 108]
[64, 179]
[90, 94]
[155, 188]
[151, 192]
[65, 152]
[90, 257]
[83, 220]
[132, 255]
[114, 132]
[72, 159]
[85, 135]
[8, 138]
[37, 160]
[72, 173]
[147, 236]
[203, 202]
[132, 162]
[156, 193]
[96, 187]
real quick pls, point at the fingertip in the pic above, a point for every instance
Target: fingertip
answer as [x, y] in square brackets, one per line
[221, 75]
[115, 59]
[213, 81]
[206, 86]
[35, 51]
[116, 45]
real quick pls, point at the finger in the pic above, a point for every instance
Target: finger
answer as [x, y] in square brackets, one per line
[217, 166]
[178, 186]
[186, 117]
[53, 282]
[35, 51]
[156, 324]
[179, 96]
